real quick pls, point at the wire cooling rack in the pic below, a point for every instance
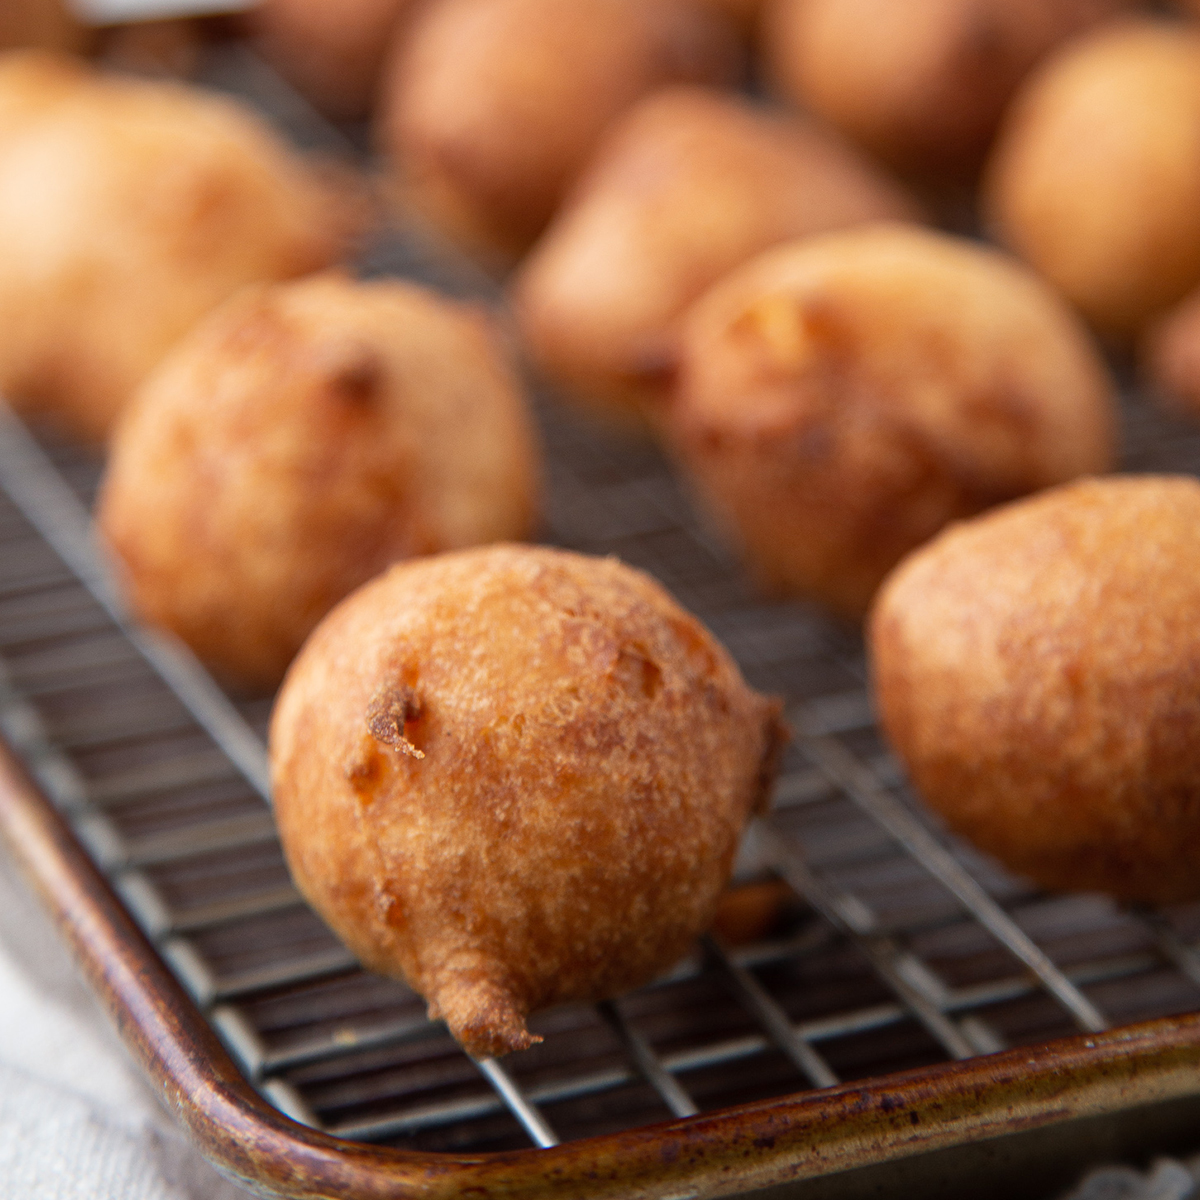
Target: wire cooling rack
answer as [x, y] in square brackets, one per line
[901, 948]
[895, 947]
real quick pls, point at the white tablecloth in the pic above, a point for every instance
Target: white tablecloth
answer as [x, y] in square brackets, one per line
[76, 1120]
[78, 1123]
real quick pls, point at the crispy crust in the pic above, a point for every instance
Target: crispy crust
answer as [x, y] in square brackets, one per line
[516, 776]
[1038, 671]
[302, 438]
[840, 399]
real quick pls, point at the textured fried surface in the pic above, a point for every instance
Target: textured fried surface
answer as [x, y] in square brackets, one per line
[842, 398]
[128, 209]
[1096, 177]
[921, 84]
[493, 106]
[688, 185]
[515, 776]
[1038, 669]
[302, 438]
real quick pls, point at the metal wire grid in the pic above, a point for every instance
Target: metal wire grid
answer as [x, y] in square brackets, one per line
[901, 947]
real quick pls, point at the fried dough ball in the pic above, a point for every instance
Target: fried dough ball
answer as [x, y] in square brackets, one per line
[1038, 669]
[492, 106]
[1095, 178]
[129, 209]
[840, 399]
[921, 84]
[691, 183]
[298, 441]
[1173, 357]
[332, 53]
[516, 776]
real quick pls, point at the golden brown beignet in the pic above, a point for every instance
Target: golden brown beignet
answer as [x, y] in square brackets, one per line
[688, 185]
[128, 209]
[302, 438]
[492, 106]
[1095, 178]
[332, 53]
[923, 83]
[516, 776]
[1038, 670]
[841, 398]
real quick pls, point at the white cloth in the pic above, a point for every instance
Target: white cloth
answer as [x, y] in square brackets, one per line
[1167, 1179]
[78, 1123]
[76, 1120]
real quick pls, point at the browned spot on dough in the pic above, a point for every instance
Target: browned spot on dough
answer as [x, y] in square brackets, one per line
[393, 717]
[362, 770]
[355, 372]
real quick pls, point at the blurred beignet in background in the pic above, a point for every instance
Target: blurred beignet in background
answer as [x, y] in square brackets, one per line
[922, 84]
[1037, 670]
[1095, 177]
[491, 107]
[842, 398]
[49, 24]
[332, 53]
[1172, 357]
[689, 184]
[298, 441]
[514, 777]
[129, 209]
[745, 13]
[171, 47]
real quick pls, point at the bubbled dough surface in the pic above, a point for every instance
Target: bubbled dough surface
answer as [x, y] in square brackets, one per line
[589, 756]
[1038, 670]
[842, 398]
[296, 443]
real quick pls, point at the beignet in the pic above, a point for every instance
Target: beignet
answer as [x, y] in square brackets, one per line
[1038, 671]
[841, 398]
[302, 438]
[128, 209]
[516, 776]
